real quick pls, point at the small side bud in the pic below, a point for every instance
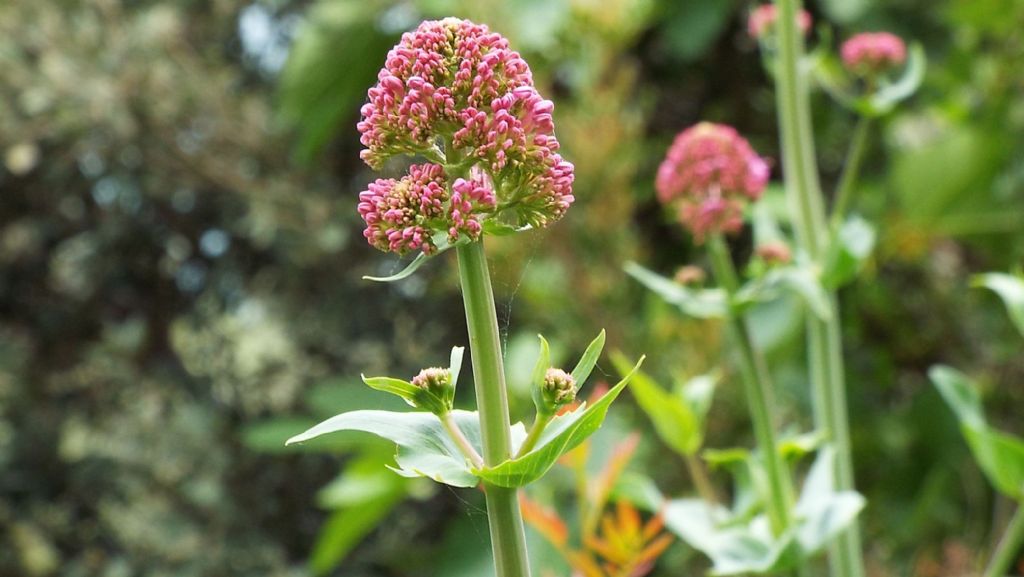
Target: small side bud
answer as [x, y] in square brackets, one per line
[690, 275]
[558, 389]
[775, 253]
[436, 388]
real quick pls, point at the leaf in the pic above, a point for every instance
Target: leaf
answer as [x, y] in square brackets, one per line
[564, 433]
[1009, 288]
[537, 377]
[406, 272]
[999, 455]
[822, 513]
[673, 420]
[698, 393]
[850, 249]
[699, 303]
[801, 280]
[960, 393]
[889, 95]
[347, 526]
[589, 359]
[424, 448]
[404, 389]
[455, 364]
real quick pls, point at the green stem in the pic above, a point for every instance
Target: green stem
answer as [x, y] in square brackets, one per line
[825, 345]
[758, 388]
[456, 434]
[539, 424]
[700, 480]
[508, 538]
[1008, 547]
[851, 169]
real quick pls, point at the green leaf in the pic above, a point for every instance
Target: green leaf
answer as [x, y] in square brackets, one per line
[699, 303]
[889, 95]
[424, 448]
[850, 249]
[801, 280]
[455, 364]
[564, 433]
[1009, 288]
[673, 420]
[822, 513]
[960, 393]
[589, 359]
[406, 272]
[698, 393]
[404, 389]
[537, 378]
[999, 455]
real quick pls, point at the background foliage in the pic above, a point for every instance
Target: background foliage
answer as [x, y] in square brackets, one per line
[180, 259]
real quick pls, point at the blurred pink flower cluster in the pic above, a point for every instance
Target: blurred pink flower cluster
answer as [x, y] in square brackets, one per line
[710, 173]
[871, 53]
[761, 22]
[452, 89]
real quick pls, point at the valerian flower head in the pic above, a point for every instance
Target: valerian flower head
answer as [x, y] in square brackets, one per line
[439, 391]
[762, 20]
[558, 389]
[709, 174]
[454, 92]
[872, 53]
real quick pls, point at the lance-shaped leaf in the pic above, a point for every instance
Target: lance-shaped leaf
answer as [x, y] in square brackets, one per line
[442, 244]
[673, 420]
[699, 303]
[537, 377]
[424, 447]
[1009, 288]
[589, 360]
[889, 95]
[564, 433]
[822, 512]
[850, 249]
[999, 455]
[801, 280]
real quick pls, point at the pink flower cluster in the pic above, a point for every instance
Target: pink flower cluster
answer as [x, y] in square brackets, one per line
[402, 215]
[710, 173]
[871, 53]
[454, 90]
[761, 21]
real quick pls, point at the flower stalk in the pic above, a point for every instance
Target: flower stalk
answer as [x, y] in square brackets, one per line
[851, 168]
[508, 538]
[825, 345]
[758, 389]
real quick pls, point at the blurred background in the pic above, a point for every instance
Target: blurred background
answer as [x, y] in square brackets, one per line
[180, 263]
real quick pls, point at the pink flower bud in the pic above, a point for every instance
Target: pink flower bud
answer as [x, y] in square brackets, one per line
[872, 53]
[761, 22]
[711, 173]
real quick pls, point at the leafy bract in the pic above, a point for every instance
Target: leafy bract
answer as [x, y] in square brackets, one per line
[738, 545]
[564, 433]
[440, 241]
[999, 455]
[695, 302]
[850, 249]
[1010, 288]
[424, 447]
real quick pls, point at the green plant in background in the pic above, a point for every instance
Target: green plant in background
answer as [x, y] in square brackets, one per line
[453, 93]
[999, 455]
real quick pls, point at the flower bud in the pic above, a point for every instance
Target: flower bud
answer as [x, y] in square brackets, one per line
[872, 53]
[762, 21]
[437, 391]
[558, 389]
[690, 275]
[775, 253]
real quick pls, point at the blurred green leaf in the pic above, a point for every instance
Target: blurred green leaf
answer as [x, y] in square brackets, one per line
[800, 280]
[334, 59]
[699, 303]
[845, 11]
[1009, 288]
[564, 433]
[269, 437]
[889, 95]
[999, 455]
[850, 249]
[581, 372]
[540, 369]
[821, 512]
[673, 420]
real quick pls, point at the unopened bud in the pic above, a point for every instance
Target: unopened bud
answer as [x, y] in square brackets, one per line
[438, 391]
[559, 388]
[690, 275]
[774, 253]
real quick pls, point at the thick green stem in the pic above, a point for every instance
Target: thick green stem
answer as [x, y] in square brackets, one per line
[758, 389]
[508, 538]
[851, 169]
[1009, 546]
[825, 345]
